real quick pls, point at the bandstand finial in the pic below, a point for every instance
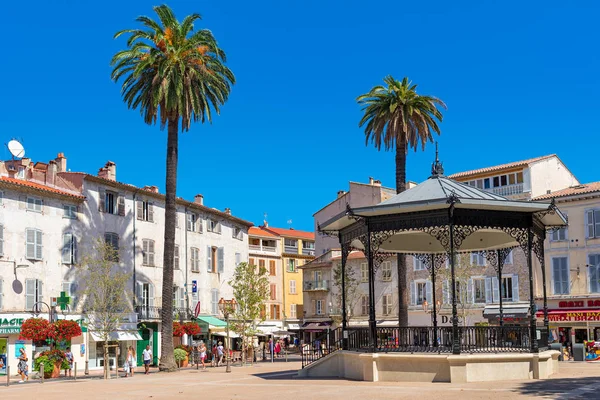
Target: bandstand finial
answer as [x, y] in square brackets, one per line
[437, 168]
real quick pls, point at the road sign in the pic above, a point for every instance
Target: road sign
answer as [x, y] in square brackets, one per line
[197, 310]
[194, 286]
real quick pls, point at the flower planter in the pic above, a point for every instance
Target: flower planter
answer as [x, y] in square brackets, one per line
[55, 371]
[185, 362]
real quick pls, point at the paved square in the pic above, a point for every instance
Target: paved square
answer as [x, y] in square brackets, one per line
[278, 381]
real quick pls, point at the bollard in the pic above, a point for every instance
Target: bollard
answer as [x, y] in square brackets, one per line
[75, 372]
[42, 372]
[8, 375]
[86, 371]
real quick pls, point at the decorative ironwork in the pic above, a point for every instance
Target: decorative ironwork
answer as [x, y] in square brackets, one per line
[350, 213]
[441, 233]
[461, 232]
[376, 240]
[437, 168]
[537, 246]
[497, 258]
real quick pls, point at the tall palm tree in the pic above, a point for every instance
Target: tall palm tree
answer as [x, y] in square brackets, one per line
[176, 75]
[396, 116]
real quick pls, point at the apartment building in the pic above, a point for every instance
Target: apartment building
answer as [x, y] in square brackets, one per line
[264, 251]
[572, 259]
[209, 243]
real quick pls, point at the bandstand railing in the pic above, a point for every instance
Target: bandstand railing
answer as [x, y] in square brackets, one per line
[326, 343]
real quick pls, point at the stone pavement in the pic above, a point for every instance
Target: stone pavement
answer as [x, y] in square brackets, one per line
[279, 381]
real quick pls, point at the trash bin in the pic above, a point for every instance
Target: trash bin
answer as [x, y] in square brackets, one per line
[578, 352]
[558, 347]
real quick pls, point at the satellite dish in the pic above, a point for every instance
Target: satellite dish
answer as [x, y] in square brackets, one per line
[16, 149]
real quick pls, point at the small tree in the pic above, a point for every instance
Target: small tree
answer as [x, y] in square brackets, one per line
[105, 293]
[250, 289]
[351, 284]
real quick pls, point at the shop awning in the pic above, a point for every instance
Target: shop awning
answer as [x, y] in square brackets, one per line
[315, 326]
[507, 312]
[118, 335]
[213, 322]
[232, 335]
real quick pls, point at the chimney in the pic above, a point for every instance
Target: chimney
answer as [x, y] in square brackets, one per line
[109, 171]
[340, 193]
[371, 180]
[228, 211]
[51, 173]
[153, 189]
[61, 162]
[265, 223]
[376, 182]
[199, 199]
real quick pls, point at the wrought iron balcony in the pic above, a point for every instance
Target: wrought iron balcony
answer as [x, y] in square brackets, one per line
[316, 285]
[149, 313]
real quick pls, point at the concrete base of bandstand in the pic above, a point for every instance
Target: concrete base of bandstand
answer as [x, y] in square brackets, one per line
[401, 367]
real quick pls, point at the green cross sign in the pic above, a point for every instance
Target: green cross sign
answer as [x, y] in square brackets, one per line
[63, 301]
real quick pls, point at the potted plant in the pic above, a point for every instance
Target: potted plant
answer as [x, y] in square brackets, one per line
[54, 361]
[48, 366]
[180, 356]
[188, 351]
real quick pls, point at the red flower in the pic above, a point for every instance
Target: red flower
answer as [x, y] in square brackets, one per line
[36, 329]
[178, 329]
[65, 330]
[191, 328]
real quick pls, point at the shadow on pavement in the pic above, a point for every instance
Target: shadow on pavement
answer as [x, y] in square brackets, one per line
[278, 375]
[561, 388]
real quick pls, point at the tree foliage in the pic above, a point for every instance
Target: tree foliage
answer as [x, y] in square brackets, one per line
[250, 286]
[351, 285]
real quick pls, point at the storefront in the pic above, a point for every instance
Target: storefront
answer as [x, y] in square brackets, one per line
[512, 314]
[125, 336]
[10, 343]
[572, 320]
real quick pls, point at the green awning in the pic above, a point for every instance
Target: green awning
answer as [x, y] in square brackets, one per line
[212, 321]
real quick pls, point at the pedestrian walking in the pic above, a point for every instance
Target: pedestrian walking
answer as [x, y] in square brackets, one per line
[147, 354]
[131, 360]
[277, 349]
[202, 354]
[69, 357]
[22, 367]
[220, 353]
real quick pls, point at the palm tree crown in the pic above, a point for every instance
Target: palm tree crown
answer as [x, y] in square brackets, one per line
[170, 70]
[397, 113]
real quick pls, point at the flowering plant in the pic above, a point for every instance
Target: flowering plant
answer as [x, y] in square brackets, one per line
[191, 328]
[55, 356]
[65, 330]
[178, 329]
[36, 329]
[188, 349]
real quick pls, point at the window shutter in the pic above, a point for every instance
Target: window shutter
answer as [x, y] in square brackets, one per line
[176, 260]
[151, 253]
[101, 200]
[413, 293]
[515, 287]
[74, 249]
[30, 242]
[209, 259]
[151, 213]
[428, 294]
[495, 290]
[40, 294]
[139, 290]
[121, 203]
[140, 210]
[221, 260]
[38, 245]
[29, 294]
[470, 291]
[589, 223]
[181, 298]
[238, 258]
[150, 295]
[188, 222]
[145, 252]
[488, 290]
[67, 247]
[556, 276]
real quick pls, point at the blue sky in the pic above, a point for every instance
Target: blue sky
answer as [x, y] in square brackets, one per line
[520, 80]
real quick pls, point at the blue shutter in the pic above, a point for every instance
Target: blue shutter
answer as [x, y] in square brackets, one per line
[221, 260]
[515, 287]
[209, 259]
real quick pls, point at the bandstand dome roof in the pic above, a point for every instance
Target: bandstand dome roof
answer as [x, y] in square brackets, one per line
[439, 193]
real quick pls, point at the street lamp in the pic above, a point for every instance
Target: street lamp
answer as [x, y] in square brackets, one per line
[434, 311]
[226, 307]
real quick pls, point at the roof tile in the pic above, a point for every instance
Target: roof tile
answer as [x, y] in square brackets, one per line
[572, 191]
[39, 186]
[499, 167]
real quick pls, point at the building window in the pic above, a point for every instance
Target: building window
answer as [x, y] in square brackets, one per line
[70, 289]
[292, 286]
[272, 268]
[364, 305]
[386, 271]
[592, 222]
[418, 264]
[308, 248]
[34, 204]
[33, 294]
[364, 272]
[421, 292]
[594, 272]
[215, 259]
[292, 310]
[261, 265]
[215, 301]
[509, 258]
[145, 211]
[213, 226]
[193, 223]
[21, 172]
[70, 211]
[238, 258]
[558, 235]
[479, 290]
[148, 252]
[176, 257]
[387, 304]
[273, 294]
[291, 265]
[69, 254]
[560, 275]
[112, 239]
[290, 246]
[238, 233]
[507, 288]
[178, 297]
[478, 259]
[195, 259]
[319, 307]
[275, 311]
[34, 244]
[112, 203]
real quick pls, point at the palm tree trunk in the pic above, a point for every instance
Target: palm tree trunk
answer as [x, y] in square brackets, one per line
[167, 358]
[401, 147]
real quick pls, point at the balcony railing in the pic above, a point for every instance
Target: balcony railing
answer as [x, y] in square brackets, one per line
[316, 285]
[256, 247]
[154, 313]
[308, 252]
[291, 249]
[507, 190]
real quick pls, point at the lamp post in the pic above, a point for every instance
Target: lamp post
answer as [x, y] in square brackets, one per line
[434, 311]
[226, 307]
